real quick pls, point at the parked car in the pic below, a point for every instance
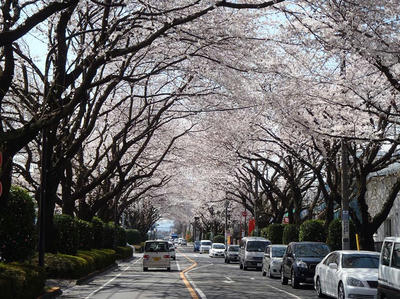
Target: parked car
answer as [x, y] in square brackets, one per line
[231, 253]
[172, 251]
[389, 269]
[156, 255]
[196, 246]
[348, 274]
[217, 250]
[272, 262]
[183, 242]
[205, 246]
[251, 252]
[300, 260]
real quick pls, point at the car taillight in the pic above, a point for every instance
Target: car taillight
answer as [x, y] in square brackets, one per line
[166, 256]
[146, 256]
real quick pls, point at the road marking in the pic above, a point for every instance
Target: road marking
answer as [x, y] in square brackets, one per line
[190, 285]
[111, 280]
[228, 280]
[290, 294]
[194, 269]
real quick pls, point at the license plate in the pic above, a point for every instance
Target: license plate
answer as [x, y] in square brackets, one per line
[156, 259]
[259, 264]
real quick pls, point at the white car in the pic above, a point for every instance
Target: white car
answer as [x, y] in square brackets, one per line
[156, 255]
[389, 269]
[172, 250]
[348, 274]
[205, 246]
[217, 250]
[272, 262]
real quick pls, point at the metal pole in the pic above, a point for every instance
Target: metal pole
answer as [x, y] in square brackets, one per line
[345, 197]
[255, 202]
[226, 222]
[42, 198]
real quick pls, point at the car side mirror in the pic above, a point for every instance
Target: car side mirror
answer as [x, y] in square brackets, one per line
[333, 266]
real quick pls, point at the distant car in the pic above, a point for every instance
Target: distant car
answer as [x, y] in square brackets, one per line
[272, 262]
[300, 260]
[205, 246]
[348, 274]
[196, 246]
[156, 255]
[172, 250]
[232, 253]
[389, 269]
[183, 242]
[217, 250]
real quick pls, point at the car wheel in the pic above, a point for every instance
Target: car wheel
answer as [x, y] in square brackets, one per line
[169, 269]
[269, 272]
[263, 272]
[284, 280]
[318, 288]
[174, 258]
[341, 294]
[294, 281]
[240, 265]
[145, 269]
[244, 267]
[228, 261]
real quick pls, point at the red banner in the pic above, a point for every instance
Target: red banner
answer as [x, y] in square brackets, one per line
[252, 225]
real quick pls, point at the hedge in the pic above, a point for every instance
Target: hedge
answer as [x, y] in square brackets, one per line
[219, 239]
[124, 252]
[290, 233]
[85, 234]
[334, 239]
[67, 240]
[21, 281]
[274, 233]
[312, 230]
[108, 235]
[97, 225]
[133, 236]
[17, 226]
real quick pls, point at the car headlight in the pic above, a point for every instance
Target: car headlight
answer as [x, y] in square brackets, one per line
[301, 264]
[354, 282]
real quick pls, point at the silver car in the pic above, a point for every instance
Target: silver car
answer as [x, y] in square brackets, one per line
[272, 262]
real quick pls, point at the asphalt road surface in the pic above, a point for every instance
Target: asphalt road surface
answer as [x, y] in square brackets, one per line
[192, 275]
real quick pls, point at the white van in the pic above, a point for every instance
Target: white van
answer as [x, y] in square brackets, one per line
[156, 255]
[389, 269]
[251, 252]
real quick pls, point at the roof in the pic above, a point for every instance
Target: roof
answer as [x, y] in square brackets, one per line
[356, 252]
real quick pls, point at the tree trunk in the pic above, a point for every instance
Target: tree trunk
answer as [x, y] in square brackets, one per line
[366, 238]
[5, 173]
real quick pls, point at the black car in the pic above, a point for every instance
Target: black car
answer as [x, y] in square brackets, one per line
[300, 260]
[232, 254]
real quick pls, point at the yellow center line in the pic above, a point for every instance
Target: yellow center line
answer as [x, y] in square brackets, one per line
[186, 282]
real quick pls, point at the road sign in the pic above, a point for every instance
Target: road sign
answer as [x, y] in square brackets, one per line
[244, 214]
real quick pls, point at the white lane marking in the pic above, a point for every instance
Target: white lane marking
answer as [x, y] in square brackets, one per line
[178, 266]
[252, 278]
[200, 292]
[111, 280]
[208, 265]
[290, 294]
[228, 280]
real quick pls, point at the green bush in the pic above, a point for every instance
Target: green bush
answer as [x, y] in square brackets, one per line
[120, 234]
[274, 233]
[17, 226]
[67, 239]
[334, 239]
[124, 252]
[85, 233]
[290, 233]
[312, 230]
[219, 239]
[97, 226]
[133, 236]
[108, 235]
[66, 266]
[21, 281]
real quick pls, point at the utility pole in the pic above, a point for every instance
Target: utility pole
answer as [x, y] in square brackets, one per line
[255, 202]
[226, 222]
[345, 197]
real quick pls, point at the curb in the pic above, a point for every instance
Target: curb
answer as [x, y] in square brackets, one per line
[51, 293]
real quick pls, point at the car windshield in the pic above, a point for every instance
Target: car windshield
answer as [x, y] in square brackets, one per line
[311, 250]
[156, 247]
[278, 251]
[206, 243]
[233, 248]
[219, 246]
[257, 245]
[360, 261]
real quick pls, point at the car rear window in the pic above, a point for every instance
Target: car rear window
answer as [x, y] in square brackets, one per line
[278, 251]
[206, 243]
[257, 246]
[234, 248]
[219, 246]
[156, 247]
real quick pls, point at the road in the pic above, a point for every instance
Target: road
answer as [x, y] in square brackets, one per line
[192, 275]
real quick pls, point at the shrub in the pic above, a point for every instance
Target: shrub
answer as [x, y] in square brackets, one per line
[108, 235]
[219, 239]
[120, 235]
[263, 232]
[85, 233]
[274, 233]
[334, 239]
[17, 226]
[97, 226]
[67, 239]
[21, 281]
[312, 230]
[124, 252]
[290, 233]
[133, 236]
